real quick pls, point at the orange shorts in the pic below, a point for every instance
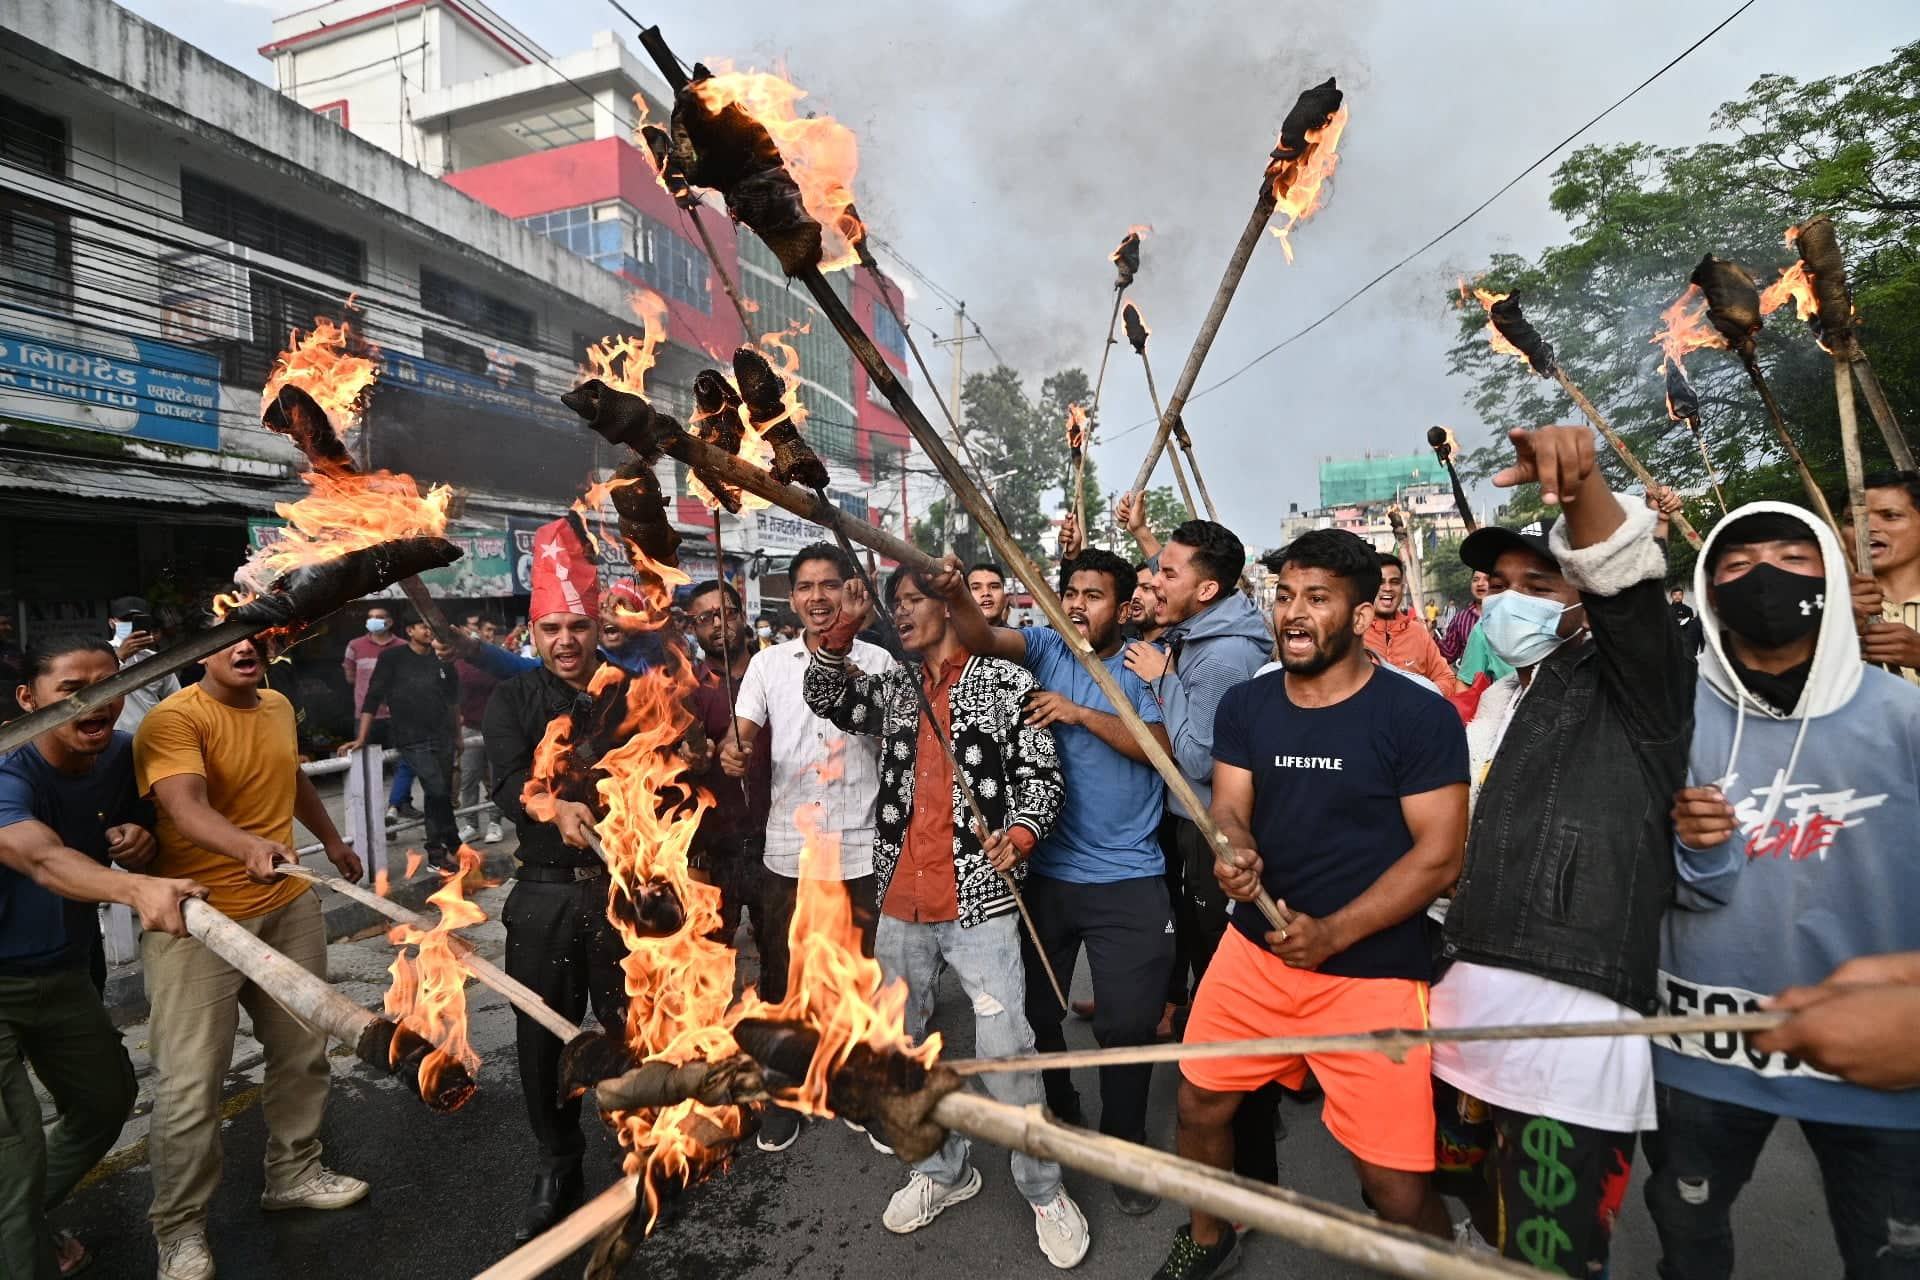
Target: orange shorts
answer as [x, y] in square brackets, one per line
[1380, 1110]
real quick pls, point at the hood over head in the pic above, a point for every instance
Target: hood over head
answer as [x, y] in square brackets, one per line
[1837, 665]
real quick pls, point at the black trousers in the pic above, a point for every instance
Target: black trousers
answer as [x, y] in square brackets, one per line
[560, 943]
[1127, 928]
[1182, 977]
[733, 865]
[778, 895]
[432, 764]
[1256, 1125]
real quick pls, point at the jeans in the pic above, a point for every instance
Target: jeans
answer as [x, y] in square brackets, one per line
[1127, 928]
[196, 998]
[986, 959]
[560, 943]
[1704, 1152]
[476, 782]
[432, 763]
[55, 1024]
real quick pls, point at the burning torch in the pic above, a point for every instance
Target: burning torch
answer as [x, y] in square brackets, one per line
[1446, 448]
[1683, 405]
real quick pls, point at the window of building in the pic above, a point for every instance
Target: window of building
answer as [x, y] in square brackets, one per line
[36, 253]
[668, 262]
[278, 309]
[445, 349]
[32, 139]
[597, 233]
[830, 439]
[475, 308]
[334, 111]
[887, 331]
[232, 214]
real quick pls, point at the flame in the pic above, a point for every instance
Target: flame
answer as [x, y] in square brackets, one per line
[226, 602]
[1792, 286]
[622, 361]
[1684, 326]
[1300, 184]
[1076, 427]
[821, 153]
[414, 859]
[330, 364]
[428, 995]
[1486, 299]
[1134, 233]
[382, 882]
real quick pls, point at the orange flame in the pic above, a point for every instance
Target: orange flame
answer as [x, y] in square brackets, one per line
[1137, 231]
[1451, 443]
[622, 361]
[1486, 299]
[1684, 326]
[1076, 427]
[226, 602]
[1300, 184]
[428, 995]
[330, 365]
[821, 153]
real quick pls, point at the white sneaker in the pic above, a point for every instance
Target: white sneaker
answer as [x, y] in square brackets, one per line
[324, 1190]
[1062, 1230]
[922, 1200]
[393, 814]
[186, 1258]
[467, 832]
[493, 833]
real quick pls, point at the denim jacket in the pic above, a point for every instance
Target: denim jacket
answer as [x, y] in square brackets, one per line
[1569, 863]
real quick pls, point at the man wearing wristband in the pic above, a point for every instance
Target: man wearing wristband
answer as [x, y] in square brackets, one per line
[945, 885]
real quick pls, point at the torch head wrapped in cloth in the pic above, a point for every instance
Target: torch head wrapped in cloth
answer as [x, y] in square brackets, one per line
[1827, 274]
[1733, 301]
[1126, 258]
[1311, 110]
[1512, 325]
[298, 416]
[772, 412]
[316, 590]
[660, 146]
[1443, 444]
[716, 420]
[620, 417]
[1683, 402]
[1137, 330]
[722, 146]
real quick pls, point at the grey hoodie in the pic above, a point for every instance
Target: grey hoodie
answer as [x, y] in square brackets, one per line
[1821, 870]
[1221, 646]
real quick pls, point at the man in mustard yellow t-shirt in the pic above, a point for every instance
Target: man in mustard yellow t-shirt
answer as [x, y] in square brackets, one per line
[220, 760]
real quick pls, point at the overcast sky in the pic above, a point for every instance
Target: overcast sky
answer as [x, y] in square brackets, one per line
[1006, 148]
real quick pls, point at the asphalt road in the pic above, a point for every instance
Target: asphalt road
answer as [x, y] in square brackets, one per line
[448, 1190]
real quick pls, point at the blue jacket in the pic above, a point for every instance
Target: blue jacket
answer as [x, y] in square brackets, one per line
[1223, 645]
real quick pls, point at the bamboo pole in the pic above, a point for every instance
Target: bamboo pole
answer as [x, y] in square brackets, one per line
[483, 970]
[1093, 415]
[176, 657]
[1394, 1043]
[1250, 238]
[1713, 473]
[1883, 415]
[1003, 542]
[1620, 447]
[1179, 475]
[726, 281]
[566, 1237]
[1856, 469]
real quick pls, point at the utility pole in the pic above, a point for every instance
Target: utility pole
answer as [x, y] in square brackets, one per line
[955, 522]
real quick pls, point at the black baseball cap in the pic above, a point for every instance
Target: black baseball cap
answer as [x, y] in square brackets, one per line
[126, 607]
[1483, 548]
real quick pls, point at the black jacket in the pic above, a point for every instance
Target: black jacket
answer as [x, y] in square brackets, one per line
[516, 720]
[1569, 861]
[421, 693]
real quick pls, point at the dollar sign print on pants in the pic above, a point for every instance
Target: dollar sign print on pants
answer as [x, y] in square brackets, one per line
[1549, 1184]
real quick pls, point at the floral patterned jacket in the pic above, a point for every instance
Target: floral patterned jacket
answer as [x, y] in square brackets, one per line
[1014, 770]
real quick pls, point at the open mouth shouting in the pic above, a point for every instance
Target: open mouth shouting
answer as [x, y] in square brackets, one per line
[94, 730]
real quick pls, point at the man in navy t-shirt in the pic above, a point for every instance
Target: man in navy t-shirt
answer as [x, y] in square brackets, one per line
[1342, 790]
[67, 805]
[1098, 877]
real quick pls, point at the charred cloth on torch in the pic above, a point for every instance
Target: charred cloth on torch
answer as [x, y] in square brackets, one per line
[1683, 402]
[717, 421]
[1733, 301]
[885, 1091]
[1442, 442]
[1136, 328]
[299, 417]
[1512, 325]
[1311, 111]
[1832, 319]
[316, 590]
[1126, 261]
[732, 153]
[764, 392]
[660, 147]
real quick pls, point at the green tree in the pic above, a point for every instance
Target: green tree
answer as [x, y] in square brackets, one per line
[1640, 217]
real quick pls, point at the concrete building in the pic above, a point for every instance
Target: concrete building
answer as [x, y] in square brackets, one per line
[165, 221]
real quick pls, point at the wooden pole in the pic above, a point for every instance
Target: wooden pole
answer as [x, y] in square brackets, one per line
[1815, 497]
[521, 996]
[1713, 474]
[1325, 1228]
[1883, 416]
[574, 1232]
[1620, 447]
[1250, 237]
[310, 999]
[1856, 469]
[176, 657]
[726, 282]
[1093, 418]
[1393, 1043]
[1016, 559]
[1179, 475]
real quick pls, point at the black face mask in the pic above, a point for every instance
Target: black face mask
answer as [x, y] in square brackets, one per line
[1769, 607]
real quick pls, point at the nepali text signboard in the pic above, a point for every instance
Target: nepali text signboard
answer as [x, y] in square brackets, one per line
[124, 386]
[483, 571]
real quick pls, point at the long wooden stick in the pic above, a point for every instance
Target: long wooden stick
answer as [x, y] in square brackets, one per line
[1250, 238]
[1620, 447]
[1393, 1043]
[1883, 416]
[566, 1237]
[1179, 475]
[747, 326]
[1093, 418]
[521, 996]
[1011, 553]
[1815, 496]
[1856, 469]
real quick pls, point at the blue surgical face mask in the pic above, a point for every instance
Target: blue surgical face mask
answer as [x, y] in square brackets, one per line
[1522, 629]
[121, 632]
[376, 626]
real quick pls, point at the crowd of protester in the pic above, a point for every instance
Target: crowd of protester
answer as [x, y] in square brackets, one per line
[1574, 797]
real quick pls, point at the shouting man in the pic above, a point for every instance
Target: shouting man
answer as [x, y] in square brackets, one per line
[987, 584]
[1343, 791]
[1399, 636]
[944, 883]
